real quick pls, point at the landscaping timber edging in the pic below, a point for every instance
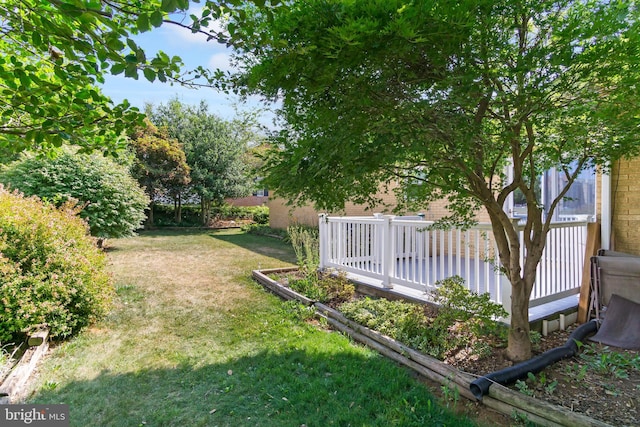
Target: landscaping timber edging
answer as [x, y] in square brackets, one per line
[500, 398]
[261, 277]
[13, 387]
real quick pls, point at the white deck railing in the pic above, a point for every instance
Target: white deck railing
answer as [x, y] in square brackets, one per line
[405, 251]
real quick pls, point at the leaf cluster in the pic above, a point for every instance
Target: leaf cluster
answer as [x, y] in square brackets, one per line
[53, 54]
[160, 164]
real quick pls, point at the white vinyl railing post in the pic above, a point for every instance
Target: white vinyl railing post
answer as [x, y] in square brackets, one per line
[323, 236]
[388, 251]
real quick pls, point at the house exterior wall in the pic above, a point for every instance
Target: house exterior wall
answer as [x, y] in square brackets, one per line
[625, 205]
[281, 216]
[248, 201]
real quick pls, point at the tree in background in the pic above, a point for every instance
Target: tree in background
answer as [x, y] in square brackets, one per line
[440, 96]
[160, 165]
[214, 149]
[112, 202]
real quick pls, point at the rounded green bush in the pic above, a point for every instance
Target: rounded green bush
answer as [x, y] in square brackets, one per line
[51, 272]
[113, 203]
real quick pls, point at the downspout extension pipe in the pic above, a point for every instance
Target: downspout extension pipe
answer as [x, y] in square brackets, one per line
[480, 387]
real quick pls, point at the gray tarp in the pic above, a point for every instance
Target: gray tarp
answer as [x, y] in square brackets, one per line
[621, 324]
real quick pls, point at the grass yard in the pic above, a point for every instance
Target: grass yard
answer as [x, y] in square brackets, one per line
[193, 341]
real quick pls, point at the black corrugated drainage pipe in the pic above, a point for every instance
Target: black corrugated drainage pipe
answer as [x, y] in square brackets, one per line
[480, 387]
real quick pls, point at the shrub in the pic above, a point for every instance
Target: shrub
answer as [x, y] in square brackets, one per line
[265, 230]
[334, 288]
[51, 272]
[464, 320]
[337, 287]
[459, 304]
[309, 287]
[113, 202]
[191, 214]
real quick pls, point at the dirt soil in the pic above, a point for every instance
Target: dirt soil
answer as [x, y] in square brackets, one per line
[587, 383]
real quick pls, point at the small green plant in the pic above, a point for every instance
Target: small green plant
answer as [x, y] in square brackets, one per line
[523, 388]
[533, 383]
[450, 393]
[536, 338]
[576, 370]
[4, 354]
[605, 361]
[337, 287]
[297, 311]
[521, 419]
[306, 245]
[478, 312]
[50, 385]
[308, 286]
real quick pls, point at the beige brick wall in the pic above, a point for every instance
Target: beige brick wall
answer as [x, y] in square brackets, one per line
[625, 201]
[281, 215]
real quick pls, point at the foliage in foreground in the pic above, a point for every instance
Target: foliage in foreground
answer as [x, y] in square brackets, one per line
[457, 325]
[112, 202]
[54, 53]
[51, 272]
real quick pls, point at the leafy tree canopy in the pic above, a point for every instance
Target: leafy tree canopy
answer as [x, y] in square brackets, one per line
[440, 96]
[54, 52]
[160, 162]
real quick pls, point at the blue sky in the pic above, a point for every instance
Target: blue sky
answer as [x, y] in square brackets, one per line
[194, 50]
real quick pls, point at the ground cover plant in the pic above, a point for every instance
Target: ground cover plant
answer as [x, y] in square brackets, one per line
[601, 382]
[194, 341]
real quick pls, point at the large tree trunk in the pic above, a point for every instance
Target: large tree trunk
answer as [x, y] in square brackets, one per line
[148, 224]
[521, 277]
[205, 213]
[519, 345]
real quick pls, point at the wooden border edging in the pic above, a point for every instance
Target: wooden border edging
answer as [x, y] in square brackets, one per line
[12, 388]
[278, 289]
[500, 398]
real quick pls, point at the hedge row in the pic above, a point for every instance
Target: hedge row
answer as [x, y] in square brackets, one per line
[163, 215]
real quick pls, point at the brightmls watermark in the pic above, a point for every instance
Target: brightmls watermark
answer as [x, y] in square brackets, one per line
[34, 415]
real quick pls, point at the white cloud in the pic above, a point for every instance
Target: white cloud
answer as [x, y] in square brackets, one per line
[220, 60]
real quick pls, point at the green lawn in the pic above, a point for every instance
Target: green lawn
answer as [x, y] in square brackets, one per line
[193, 341]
